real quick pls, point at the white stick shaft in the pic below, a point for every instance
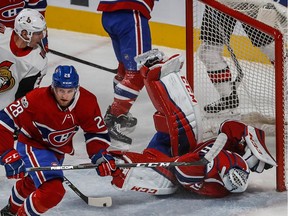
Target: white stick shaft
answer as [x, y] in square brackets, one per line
[217, 147]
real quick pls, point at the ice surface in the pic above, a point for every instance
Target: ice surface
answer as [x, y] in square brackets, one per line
[260, 198]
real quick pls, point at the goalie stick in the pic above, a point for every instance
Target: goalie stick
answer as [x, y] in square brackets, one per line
[82, 61]
[213, 152]
[92, 201]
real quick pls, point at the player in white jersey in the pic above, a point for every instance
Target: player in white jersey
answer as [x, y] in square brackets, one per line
[23, 62]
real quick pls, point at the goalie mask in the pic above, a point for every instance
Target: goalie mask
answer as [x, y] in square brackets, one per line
[31, 21]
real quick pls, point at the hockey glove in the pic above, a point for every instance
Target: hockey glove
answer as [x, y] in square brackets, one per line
[254, 163]
[14, 165]
[106, 163]
[44, 42]
[256, 154]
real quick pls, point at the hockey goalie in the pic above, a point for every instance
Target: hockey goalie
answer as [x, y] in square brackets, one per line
[179, 138]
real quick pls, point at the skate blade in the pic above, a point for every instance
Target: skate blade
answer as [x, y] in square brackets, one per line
[127, 130]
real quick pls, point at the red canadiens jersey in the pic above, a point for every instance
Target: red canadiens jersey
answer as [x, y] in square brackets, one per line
[10, 8]
[17, 64]
[144, 6]
[45, 125]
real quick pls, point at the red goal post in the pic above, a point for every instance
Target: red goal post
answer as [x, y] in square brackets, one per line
[280, 103]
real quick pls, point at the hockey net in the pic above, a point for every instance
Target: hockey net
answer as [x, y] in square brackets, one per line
[261, 86]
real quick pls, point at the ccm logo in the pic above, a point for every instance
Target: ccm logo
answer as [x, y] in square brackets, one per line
[153, 164]
[189, 89]
[11, 158]
[255, 144]
[144, 190]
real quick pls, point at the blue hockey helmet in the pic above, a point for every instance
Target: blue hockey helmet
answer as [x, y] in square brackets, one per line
[65, 76]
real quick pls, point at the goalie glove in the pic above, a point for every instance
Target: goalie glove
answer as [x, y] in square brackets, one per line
[106, 163]
[256, 154]
[254, 163]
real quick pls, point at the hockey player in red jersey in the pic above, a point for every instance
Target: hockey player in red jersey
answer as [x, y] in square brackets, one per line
[10, 9]
[22, 61]
[48, 118]
[127, 23]
[179, 138]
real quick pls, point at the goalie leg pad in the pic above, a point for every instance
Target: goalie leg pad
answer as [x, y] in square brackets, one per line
[144, 180]
[173, 98]
[158, 181]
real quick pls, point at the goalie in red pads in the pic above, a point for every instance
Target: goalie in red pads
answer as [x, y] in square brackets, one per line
[179, 138]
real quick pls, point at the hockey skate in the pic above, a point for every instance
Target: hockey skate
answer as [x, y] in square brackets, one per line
[224, 103]
[6, 211]
[118, 125]
[127, 122]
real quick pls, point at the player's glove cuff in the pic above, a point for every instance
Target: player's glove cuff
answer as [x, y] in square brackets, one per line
[105, 161]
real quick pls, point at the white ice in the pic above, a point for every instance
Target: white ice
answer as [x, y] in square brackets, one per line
[260, 198]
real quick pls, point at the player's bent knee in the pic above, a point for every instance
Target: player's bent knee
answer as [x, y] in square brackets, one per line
[49, 194]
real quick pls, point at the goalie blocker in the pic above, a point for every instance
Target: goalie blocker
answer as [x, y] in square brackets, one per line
[178, 138]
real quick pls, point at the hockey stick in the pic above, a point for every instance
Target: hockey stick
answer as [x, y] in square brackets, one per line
[239, 70]
[213, 152]
[240, 73]
[203, 161]
[82, 61]
[92, 201]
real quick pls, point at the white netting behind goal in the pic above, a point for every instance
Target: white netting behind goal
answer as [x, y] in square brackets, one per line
[249, 93]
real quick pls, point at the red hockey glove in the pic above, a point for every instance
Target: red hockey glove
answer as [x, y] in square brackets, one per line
[14, 165]
[106, 163]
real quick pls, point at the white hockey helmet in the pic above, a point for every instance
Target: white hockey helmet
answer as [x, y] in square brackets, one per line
[236, 180]
[30, 20]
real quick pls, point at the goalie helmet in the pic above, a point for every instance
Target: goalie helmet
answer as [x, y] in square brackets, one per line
[31, 21]
[65, 76]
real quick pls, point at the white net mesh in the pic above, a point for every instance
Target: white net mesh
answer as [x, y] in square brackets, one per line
[235, 67]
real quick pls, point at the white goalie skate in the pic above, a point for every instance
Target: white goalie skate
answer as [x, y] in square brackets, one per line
[224, 103]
